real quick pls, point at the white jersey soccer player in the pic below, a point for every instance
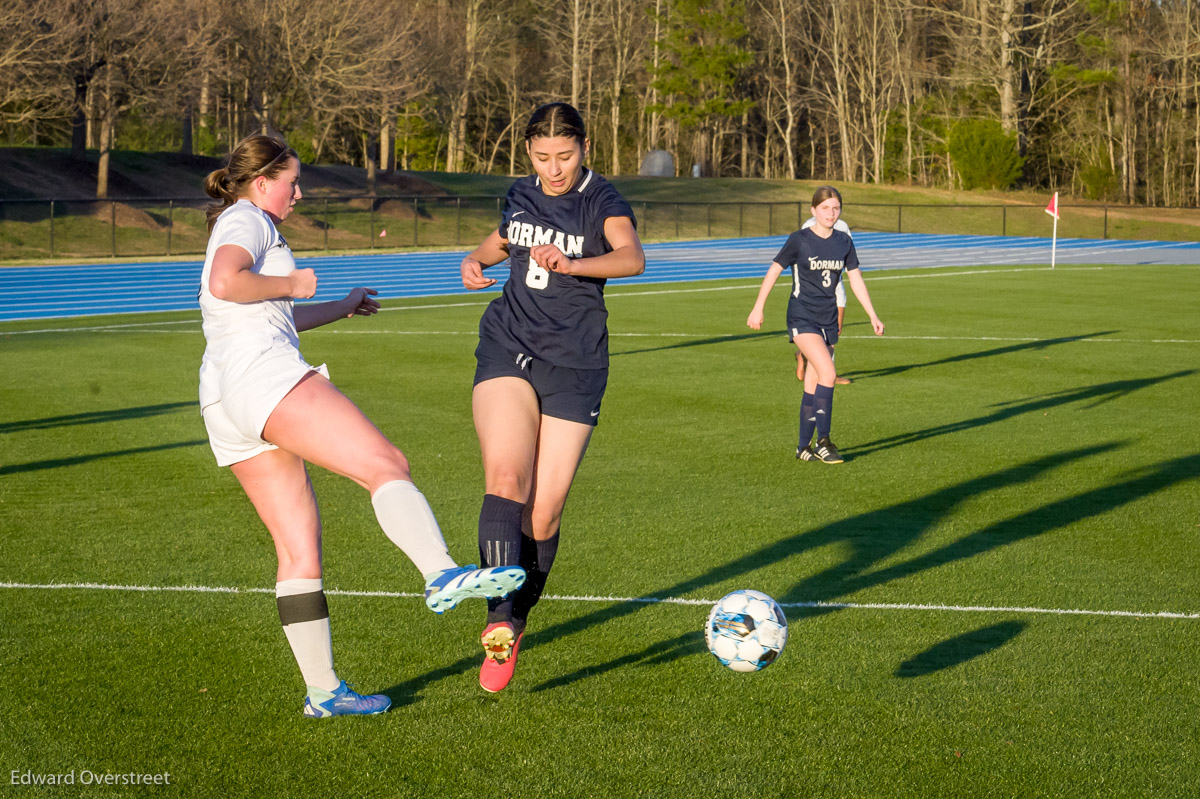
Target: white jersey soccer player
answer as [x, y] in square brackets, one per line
[268, 413]
[252, 355]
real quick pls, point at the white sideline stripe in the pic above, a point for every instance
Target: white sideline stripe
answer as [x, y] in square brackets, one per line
[203, 589]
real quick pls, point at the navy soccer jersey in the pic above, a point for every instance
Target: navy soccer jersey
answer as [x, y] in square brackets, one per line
[817, 265]
[556, 318]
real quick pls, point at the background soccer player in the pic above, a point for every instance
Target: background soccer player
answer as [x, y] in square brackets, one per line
[542, 359]
[267, 412]
[801, 364]
[817, 256]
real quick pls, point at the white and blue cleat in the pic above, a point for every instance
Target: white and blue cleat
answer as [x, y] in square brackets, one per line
[341, 701]
[445, 589]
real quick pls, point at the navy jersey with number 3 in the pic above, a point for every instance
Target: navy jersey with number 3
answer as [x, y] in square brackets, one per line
[816, 265]
[556, 318]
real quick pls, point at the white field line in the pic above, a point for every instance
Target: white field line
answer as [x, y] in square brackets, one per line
[900, 606]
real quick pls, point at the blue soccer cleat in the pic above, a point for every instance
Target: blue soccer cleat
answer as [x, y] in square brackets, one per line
[321, 704]
[445, 589]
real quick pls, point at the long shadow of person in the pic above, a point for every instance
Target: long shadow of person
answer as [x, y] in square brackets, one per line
[699, 342]
[872, 537]
[875, 536]
[1036, 345]
[95, 417]
[959, 649]
[1098, 394]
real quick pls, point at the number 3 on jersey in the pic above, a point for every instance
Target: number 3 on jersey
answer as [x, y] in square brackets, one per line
[538, 277]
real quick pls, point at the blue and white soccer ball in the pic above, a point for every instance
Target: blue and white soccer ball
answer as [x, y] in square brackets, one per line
[746, 630]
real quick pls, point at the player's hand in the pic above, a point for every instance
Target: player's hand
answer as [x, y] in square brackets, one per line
[360, 302]
[755, 319]
[550, 257]
[472, 275]
[304, 284]
[877, 325]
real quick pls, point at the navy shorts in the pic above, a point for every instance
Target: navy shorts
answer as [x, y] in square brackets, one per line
[798, 326]
[562, 392]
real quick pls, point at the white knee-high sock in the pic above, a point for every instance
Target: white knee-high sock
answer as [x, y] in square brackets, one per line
[305, 618]
[408, 521]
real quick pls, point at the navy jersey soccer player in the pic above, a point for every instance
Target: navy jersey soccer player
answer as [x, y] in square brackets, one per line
[542, 360]
[556, 318]
[817, 264]
[818, 256]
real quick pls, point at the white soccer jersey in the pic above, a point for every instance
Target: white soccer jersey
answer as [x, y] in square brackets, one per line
[842, 226]
[239, 333]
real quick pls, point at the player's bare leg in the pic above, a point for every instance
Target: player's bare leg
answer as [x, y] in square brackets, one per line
[346, 442]
[839, 380]
[506, 414]
[277, 484]
[505, 410]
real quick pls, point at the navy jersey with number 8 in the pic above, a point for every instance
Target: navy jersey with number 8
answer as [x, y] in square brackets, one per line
[556, 318]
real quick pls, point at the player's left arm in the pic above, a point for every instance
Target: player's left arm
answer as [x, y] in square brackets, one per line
[859, 287]
[359, 302]
[625, 260]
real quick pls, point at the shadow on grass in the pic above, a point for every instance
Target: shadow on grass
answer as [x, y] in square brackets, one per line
[94, 417]
[959, 649]
[1025, 346]
[702, 342]
[1098, 394]
[56, 463]
[872, 538]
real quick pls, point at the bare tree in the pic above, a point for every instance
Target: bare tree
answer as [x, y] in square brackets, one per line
[625, 39]
[35, 40]
[780, 21]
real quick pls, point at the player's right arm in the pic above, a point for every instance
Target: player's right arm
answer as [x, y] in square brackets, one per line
[232, 279]
[755, 319]
[492, 251]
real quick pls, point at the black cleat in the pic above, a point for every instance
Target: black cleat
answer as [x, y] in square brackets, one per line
[827, 452]
[806, 454]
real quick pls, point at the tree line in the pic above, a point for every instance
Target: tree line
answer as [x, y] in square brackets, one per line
[1097, 98]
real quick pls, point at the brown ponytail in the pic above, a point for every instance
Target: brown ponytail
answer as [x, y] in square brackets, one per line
[254, 156]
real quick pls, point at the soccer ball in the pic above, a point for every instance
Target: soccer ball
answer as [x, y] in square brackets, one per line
[746, 630]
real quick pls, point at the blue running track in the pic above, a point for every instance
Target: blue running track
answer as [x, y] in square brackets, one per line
[47, 292]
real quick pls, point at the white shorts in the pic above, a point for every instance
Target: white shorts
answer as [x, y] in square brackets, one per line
[235, 422]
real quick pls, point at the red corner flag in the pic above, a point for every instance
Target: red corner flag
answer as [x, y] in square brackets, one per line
[1052, 208]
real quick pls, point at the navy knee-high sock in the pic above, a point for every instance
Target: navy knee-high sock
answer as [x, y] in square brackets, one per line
[823, 410]
[500, 545]
[808, 422]
[536, 558]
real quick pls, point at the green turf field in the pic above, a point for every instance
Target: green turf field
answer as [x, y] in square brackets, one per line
[1022, 443]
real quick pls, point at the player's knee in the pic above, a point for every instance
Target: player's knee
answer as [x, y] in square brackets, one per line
[508, 483]
[385, 466]
[299, 561]
[543, 522]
